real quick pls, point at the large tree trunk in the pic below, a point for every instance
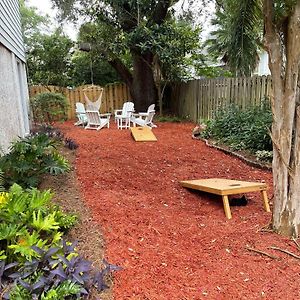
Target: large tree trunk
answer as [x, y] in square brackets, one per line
[143, 89]
[140, 82]
[284, 57]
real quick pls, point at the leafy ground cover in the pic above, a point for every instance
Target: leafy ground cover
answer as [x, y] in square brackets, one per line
[174, 243]
[243, 129]
[37, 260]
[87, 233]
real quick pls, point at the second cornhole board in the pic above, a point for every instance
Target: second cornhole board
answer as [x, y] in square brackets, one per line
[226, 187]
[143, 134]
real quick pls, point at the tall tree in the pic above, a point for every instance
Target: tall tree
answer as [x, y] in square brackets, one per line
[282, 41]
[49, 59]
[119, 29]
[91, 68]
[48, 54]
[33, 23]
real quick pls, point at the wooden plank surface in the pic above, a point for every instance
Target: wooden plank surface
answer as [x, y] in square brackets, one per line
[143, 134]
[222, 187]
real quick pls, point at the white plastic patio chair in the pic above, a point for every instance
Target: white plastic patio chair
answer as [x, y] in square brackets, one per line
[144, 118]
[80, 113]
[122, 116]
[96, 120]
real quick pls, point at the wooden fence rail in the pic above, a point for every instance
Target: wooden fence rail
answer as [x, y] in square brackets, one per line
[200, 99]
[113, 97]
[195, 100]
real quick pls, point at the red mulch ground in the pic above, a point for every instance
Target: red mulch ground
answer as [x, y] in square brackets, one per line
[174, 243]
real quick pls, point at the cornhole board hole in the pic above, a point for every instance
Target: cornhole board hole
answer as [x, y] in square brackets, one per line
[226, 187]
[143, 134]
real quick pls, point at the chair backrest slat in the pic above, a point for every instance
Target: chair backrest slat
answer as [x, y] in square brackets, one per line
[80, 108]
[128, 108]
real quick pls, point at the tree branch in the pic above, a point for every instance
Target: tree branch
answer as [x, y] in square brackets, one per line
[285, 251]
[123, 71]
[161, 11]
[261, 252]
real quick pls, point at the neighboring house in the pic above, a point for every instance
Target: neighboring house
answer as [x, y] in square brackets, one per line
[14, 103]
[263, 64]
[261, 69]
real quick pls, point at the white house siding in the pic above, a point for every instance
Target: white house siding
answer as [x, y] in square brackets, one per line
[10, 27]
[14, 105]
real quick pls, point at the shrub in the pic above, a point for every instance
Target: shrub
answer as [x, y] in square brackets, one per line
[49, 107]
[50, 131]
[1, 182]
[242, 129]
[35, 262]
[29, 159]
[28, 219]
[167, 118]
[58, 273]
[264, 155]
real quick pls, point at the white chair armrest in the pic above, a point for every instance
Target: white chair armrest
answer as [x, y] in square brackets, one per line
[143, 114]
[105, 115]
[117, 112]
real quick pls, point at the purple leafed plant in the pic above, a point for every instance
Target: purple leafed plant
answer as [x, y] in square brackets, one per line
[60, 264]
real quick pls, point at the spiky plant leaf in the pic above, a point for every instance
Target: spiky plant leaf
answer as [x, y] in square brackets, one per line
[44, 223]
[25, 243]
[39, 199]
[10, 231]
[2, 255]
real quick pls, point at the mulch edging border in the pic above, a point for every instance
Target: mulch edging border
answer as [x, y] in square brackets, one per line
[238, 155]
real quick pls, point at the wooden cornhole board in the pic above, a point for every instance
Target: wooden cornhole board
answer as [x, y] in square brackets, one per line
[143, 134]
[226, 187]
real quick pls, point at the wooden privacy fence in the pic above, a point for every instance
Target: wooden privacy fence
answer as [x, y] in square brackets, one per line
[113, 97]
[200, 99]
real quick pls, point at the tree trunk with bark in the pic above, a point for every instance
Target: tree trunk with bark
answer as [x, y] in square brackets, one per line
[143, 88]
[140, 82]
[283, 45]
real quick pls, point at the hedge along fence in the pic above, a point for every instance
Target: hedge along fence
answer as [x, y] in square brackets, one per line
[200, 99]
[113, 97]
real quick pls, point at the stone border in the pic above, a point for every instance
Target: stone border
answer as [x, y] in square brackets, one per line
[243, 158]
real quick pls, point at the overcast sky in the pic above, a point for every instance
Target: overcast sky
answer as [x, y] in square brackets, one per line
[45, 7]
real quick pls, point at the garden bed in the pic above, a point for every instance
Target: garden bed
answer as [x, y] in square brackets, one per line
[244, 155]
[174, 243]
[87, 233]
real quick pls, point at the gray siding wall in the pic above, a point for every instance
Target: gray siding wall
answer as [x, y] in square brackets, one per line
[14, 103]
[14, 108]
[10, 27]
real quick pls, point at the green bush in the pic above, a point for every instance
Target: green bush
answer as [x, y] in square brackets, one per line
[1, 181]
[28, 219]
[242, 129]
[167, 118]
[49, 107]
[35, 261]
[29, 159]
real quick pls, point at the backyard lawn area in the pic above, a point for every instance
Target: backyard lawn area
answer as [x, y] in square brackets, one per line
[173, 243]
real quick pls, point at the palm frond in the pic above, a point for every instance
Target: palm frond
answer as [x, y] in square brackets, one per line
[237, 36]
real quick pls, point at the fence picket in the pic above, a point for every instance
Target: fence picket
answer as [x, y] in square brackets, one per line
[209, 94]
[113, 96]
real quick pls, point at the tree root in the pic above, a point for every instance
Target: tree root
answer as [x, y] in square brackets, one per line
[297, 244]
[285, 251]
[261, 252]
